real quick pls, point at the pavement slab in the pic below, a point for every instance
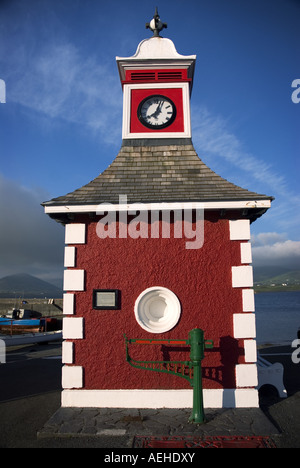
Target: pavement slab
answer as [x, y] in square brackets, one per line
[77, 422]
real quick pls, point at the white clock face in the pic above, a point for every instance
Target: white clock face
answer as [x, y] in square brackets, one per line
[156, 111]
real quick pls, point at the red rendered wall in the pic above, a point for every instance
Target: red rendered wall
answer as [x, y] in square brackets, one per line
[201, 279]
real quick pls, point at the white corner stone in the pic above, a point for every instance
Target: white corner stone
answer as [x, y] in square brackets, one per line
[246, 375]
[246, 252]
[68, 304]
[239, 229]
[72, 377]
[67, 352]
[72, 328]
[250, 350]
[244, 326]
[246, 398]
[75, 233]
[242, 276]
[248, 300]
[74, 280]
[70, 253]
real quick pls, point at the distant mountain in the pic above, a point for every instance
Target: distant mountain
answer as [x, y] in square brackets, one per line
[288, 278]
[27, 286]
[276, 279]
[262, 274]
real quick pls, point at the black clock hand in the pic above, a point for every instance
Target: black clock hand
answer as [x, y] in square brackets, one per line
[159, 107]
[157, 111]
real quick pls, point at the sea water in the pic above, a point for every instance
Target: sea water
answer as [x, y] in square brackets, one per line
[277, 316]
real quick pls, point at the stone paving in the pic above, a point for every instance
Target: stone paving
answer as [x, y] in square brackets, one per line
[101, 422]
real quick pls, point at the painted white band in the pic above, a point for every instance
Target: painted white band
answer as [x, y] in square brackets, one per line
[215, 205]
[213, 398]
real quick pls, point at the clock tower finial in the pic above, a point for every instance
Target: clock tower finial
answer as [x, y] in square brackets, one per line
[156, 25]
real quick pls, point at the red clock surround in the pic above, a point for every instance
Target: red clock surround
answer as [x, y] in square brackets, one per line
[137, 95]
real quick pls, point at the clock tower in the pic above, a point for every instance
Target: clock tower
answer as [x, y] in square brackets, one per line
[156, 245]
[157, 84]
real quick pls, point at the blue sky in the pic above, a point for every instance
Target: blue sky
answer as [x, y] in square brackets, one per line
[61, 123]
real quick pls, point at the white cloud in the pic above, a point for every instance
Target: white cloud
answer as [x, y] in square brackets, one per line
[270, 249]
[267, 238]
[54, 77]
[212, 136]
[213, 139]
[61, 83]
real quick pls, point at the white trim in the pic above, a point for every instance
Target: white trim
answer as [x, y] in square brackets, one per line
[239, 229]
[72, 377]
[67, 352]
[68, 304]
[156, 135]
[242, 276]
[214, 205]
[75, 233]
[212, 398]
[248, 300]
[72, 328]
[244, 326]
[157, 49]
[246, 375]
[246, 252]
[69, 259]
[74, 280]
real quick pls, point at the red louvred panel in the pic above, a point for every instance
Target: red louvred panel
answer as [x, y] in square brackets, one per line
[151, 76]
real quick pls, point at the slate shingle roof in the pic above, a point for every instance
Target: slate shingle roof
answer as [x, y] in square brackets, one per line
[156, 174]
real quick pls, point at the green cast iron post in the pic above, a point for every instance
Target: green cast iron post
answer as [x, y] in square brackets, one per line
[197, 343]
[189, 370]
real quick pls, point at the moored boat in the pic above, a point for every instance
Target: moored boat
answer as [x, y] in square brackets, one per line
[19, 321]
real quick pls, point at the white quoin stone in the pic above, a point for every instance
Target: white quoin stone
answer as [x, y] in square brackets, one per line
[239, 229]
[72, 328]
[72, 377]
[68, 303]
[67, 352]
[75, 233]
[246, 375]
[246, 252]
[250, 350]
[248, 300]
[70, 253]
[74, 280]
[242, 276]
[244, 326]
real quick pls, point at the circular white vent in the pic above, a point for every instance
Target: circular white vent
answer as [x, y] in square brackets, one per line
[157, 309]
